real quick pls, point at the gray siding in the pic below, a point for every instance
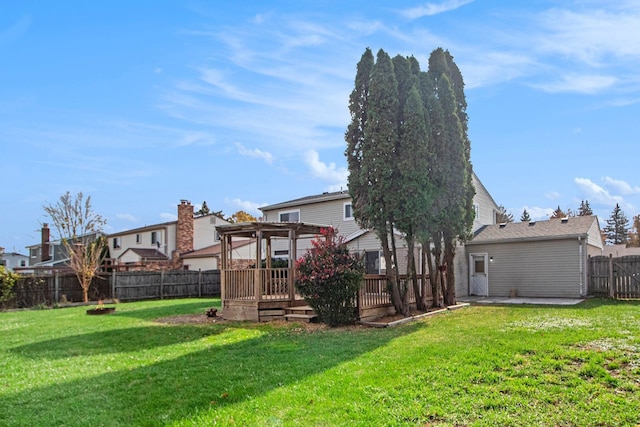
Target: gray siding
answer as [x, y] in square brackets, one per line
[549, 268]
[487, 207]
[594, 238]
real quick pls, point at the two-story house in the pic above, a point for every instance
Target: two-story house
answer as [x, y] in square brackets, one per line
[190, 243]
[334, 209]
[53, 253]
[11, 260]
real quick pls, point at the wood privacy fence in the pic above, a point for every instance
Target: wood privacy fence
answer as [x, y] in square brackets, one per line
[50, 289]
[617, 278]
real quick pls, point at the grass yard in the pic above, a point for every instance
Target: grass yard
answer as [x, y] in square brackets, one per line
[482, 365]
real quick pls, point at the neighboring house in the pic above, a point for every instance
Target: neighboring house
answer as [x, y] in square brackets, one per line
[243, 254]
[53, 253]
[620, 250]
[334, 209]
[11, 260]
[163, 246]
[533, 259]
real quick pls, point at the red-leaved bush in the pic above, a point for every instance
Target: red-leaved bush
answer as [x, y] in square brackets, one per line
[329, 277]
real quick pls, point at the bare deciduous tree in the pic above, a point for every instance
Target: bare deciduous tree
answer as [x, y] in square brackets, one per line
[79, 229]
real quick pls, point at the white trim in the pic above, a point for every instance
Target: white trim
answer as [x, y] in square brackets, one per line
[280, 213]
[344, 211]
[472, 268]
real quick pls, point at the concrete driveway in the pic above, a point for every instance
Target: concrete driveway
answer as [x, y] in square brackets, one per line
[521, 300]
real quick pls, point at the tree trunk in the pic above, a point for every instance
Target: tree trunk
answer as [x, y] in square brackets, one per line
[436, 274]
[402, 286]
[450, 253]
[392, 277]
[413, 273]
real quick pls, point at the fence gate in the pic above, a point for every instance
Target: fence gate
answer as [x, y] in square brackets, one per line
[618, 278]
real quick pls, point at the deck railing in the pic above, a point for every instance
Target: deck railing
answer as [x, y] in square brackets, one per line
[275, 286]
[375, 291]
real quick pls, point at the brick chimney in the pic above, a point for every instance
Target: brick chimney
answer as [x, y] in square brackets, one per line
[184, 234]
[44, 243]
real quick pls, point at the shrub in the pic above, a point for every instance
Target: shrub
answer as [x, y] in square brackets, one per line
[328, 277]
[8, 279]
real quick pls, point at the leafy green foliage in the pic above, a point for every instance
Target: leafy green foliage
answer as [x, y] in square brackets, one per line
[409, 158]
[8, 280]
[328, 276]
[525, 217]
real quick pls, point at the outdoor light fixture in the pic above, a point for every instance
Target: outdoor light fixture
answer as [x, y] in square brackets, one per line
[490, 259]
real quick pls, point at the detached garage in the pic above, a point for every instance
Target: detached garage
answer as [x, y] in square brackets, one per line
[542, 259]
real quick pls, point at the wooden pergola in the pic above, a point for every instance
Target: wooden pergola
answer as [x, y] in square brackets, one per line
[261, 293]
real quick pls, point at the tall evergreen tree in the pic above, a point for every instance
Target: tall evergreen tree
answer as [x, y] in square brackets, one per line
[558, 213]
[204, 210]
[585, 208]
[617, 229]
[414, 189]
[503, 216]
[409, 162]
[454, 203]
[372, 154]
[525, 216]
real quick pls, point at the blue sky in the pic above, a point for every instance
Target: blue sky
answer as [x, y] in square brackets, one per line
[241, 104]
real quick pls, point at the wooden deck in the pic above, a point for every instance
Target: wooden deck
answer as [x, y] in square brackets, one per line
[265, 294]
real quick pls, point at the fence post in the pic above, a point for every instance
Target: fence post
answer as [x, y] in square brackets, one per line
[199, 283]
[612, 285]
[56, 287]
[113, 283]
[161, 284]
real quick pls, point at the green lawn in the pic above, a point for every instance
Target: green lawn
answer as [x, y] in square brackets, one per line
[482, 365]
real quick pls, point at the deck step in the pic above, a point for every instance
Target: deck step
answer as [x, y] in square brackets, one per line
[306, 317]
[303, 312]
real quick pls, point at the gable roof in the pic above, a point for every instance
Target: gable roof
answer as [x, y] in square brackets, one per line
[146, 253]
[552, 229]
[215, 250]
[338, 195]
[324, 197]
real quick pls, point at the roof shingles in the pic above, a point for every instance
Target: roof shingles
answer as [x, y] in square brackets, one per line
[538, 230]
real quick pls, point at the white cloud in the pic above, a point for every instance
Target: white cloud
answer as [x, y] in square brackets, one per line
[255, 153]
[431, 9]
[168, 217]
[621, 186]
[327, 172]
[552, 195]
[247, 206]
[576, 83]
[595, 193]
[127, 217]
[594, 36]
[536, 213]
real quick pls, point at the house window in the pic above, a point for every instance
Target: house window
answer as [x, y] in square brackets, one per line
[374, 262]
[23, 263]
[347, 212]
[476, 211]
[116, 243]
[138, 238]
[281, 253]
[290, 216]
[479, 265]
[3, 262]
[154, 238]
